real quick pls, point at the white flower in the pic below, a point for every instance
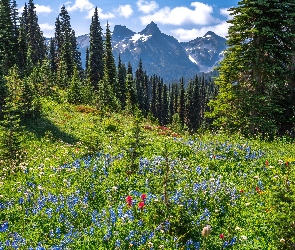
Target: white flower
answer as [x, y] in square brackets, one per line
[206, 231]
[243, 237]
[281, 162]
[282, 240]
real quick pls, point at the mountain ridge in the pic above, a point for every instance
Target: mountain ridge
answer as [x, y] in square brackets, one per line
[163, 54]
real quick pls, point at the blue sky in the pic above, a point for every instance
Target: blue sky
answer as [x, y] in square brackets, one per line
[183, 19]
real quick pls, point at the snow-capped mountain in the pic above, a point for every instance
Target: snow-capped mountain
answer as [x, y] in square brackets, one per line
[206, 51]
[162, 54]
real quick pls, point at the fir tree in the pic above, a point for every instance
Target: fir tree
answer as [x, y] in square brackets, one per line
[96, 51]
[255, 70]
[121, 83]
[109, 61]
[181, 107]
[10, 143]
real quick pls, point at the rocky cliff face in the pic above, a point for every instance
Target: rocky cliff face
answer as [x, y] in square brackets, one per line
[161, 54]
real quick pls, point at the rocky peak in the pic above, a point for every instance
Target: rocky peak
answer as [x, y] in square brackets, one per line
[151, 29]
[121, 32]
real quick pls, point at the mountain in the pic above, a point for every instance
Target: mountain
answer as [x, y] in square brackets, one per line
[206, 51]
[162, 54]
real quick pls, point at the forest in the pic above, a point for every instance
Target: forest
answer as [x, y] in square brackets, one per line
[106, 155]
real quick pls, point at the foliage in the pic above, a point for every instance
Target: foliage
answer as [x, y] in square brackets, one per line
[255, 76]
[72, 196]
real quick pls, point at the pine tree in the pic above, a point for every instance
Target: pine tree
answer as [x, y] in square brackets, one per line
[67, 55]
[10, 143]
[121, 83]
[87, 60]
[255, 71]
[131, 100]
[75, 94]
[96, 51]
[181, 107]
[165, 106]
[34, 37]
[109, 61]
[7, 37]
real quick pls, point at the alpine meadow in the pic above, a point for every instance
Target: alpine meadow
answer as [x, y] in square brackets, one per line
[105, 156]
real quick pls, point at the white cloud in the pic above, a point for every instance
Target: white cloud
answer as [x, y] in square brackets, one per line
[147, 7]
[101, 15]
[46, 26]
[187, 35]
[124, 10]
[200, 15]
[82, 5]
[225, 12]
[42, 9]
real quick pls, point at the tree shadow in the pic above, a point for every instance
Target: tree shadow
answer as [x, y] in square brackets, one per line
[41, 126]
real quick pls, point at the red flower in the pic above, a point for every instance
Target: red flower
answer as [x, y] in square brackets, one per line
[258, 190]
[143, 197]
[266, 163]
[241, 191]
[129, 200]
[141, 204]
[221, 236]
[287, 163]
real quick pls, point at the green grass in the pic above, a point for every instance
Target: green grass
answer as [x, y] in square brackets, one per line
[80, 166]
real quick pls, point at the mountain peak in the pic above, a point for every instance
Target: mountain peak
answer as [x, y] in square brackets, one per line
[150, 29]
[121, 32]
[210, 33]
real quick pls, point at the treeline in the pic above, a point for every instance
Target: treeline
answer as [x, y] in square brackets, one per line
[31, 69]
[44, 70]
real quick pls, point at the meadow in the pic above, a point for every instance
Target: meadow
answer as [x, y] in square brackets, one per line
[92, 180]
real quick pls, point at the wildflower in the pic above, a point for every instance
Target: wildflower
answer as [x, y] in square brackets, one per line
[143, 197]
[280, 162]
[241, 191]
[129, 200]
[287, 163]
[266, 163]
[282, 240]
[243, 237]
[141, 205]
[221, 236]
[206, 231]
[4, 226]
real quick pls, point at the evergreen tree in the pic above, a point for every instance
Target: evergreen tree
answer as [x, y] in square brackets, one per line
[67, 55]
[121, 83]
[253, 81]
[193, 105]
[34, 37]
[153, 106]
[131, 100]
[10, 143]
[181, 107]
[7, 37]
[75, 95]
[165, 106]
[109, 61]
[87, 60]
[139, 83]
[96, 51]
[51, 56]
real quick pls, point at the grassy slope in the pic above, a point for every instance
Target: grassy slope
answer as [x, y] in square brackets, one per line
[246, 196]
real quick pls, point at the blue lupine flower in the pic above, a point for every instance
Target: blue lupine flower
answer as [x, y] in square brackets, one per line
[4, 226]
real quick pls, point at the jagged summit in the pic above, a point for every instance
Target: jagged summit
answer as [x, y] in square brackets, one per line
[150, 29]
[121, 32]
[162, 54]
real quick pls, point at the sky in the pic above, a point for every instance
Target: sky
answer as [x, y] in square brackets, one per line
[183, 19]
